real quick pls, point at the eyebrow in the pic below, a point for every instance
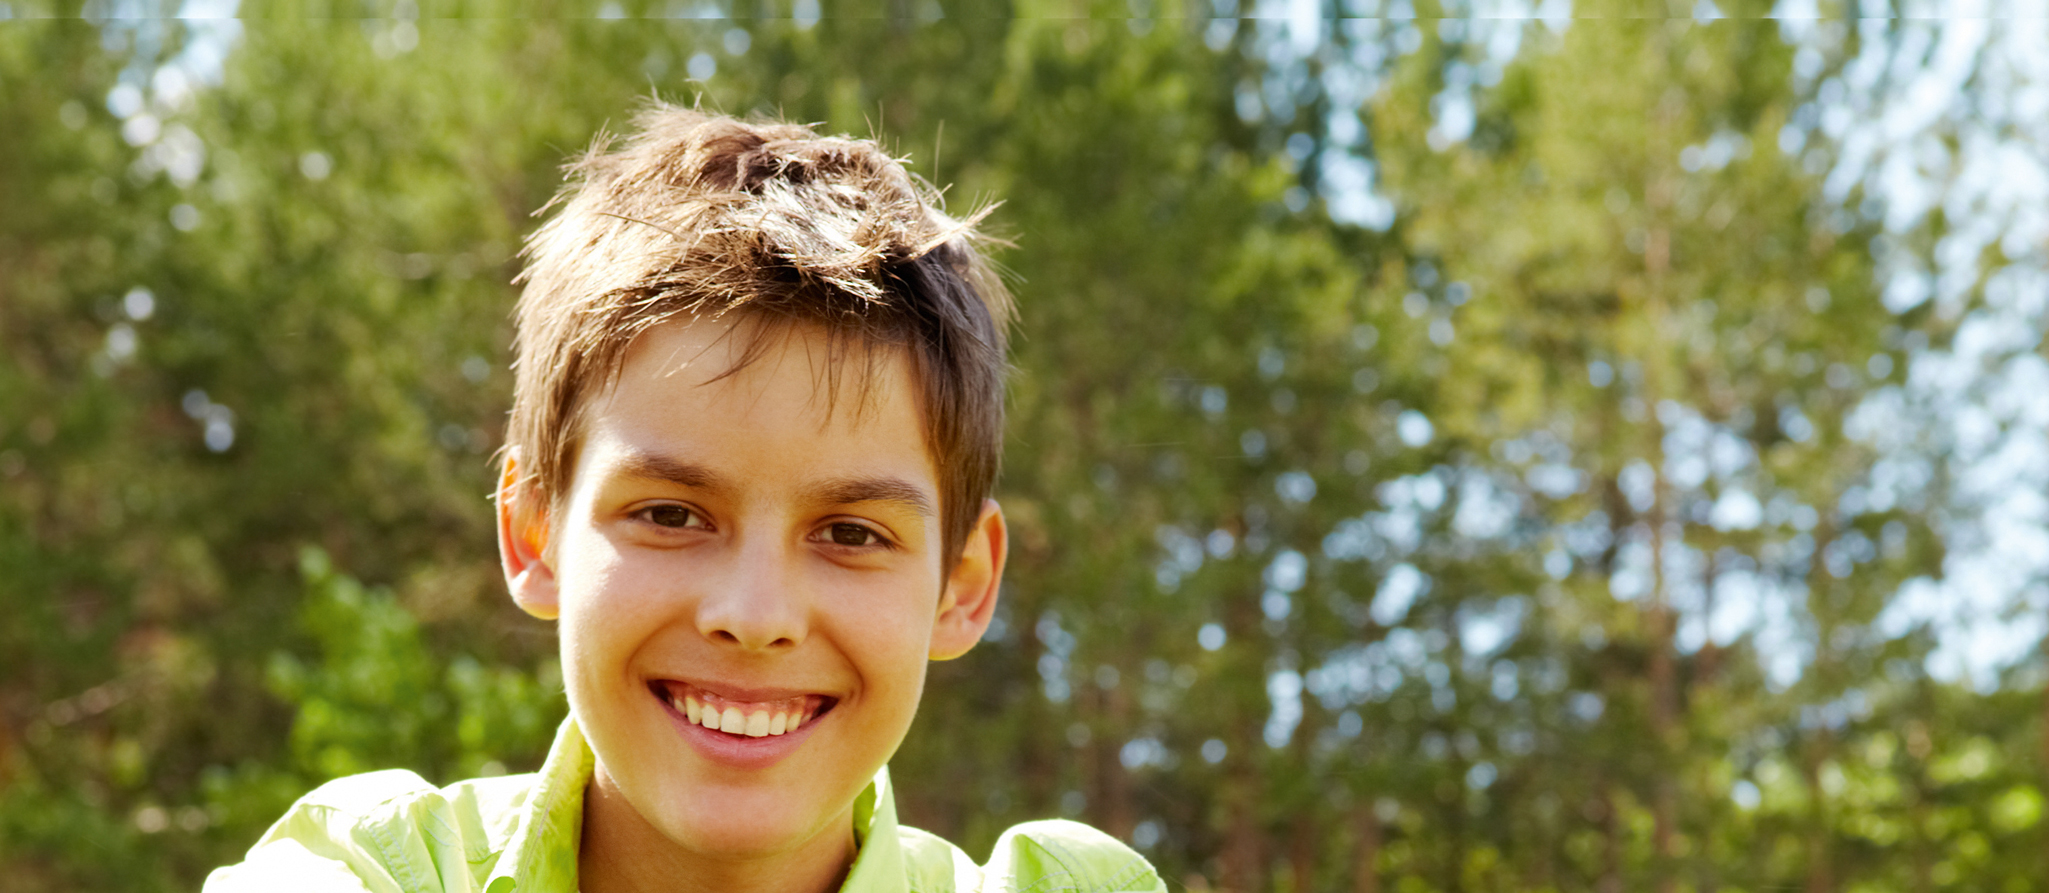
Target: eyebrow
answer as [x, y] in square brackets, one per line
[663, 468]
[884, 489]
[842, 491]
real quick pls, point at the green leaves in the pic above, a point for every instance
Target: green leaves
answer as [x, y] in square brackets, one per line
[372, 695]
[1531, 533]
[376, 695]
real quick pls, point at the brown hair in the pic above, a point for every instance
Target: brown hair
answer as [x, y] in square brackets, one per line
[698, 215]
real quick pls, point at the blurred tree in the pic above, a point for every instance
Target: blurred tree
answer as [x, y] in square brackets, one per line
[1441, 456]
[1690, 338]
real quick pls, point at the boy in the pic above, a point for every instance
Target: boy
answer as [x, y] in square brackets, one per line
[757, 421]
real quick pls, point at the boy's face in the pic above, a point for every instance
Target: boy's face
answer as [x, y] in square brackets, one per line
[742, 543]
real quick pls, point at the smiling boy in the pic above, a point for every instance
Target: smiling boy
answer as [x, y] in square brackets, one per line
[757, 423]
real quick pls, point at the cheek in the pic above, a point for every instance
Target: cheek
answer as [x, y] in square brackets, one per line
[587, 564]
[598, 609]
[889, 630]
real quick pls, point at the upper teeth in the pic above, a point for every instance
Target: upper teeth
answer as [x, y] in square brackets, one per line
[732, 720]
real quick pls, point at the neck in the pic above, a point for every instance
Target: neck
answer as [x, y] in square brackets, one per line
[622, 853]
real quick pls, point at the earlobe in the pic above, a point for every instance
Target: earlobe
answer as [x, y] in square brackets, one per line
[969, 602]
[523, 546]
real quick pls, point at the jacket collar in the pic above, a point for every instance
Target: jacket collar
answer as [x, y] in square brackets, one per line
[540, 854]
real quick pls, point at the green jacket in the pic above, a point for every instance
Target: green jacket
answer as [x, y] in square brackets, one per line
[391, 832]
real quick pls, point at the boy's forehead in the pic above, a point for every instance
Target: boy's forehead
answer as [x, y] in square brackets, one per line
[741, 374]
[756, 352]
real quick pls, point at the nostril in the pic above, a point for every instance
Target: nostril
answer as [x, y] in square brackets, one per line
[757, 625]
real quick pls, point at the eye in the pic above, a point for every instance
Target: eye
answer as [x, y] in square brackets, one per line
[673, 516]
[846, 534]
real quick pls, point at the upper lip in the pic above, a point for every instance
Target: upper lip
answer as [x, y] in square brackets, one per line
[737, 692]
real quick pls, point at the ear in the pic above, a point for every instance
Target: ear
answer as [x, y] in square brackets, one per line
[970, 598]
[523, 545]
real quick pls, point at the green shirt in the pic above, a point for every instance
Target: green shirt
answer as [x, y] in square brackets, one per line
[391, 832]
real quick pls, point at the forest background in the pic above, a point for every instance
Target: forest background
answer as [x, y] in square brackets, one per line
[1455, 447]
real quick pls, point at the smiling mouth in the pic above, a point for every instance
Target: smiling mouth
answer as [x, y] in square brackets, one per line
[741, 719]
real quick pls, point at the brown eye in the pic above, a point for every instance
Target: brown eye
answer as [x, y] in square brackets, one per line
[671, 516]
[851, 535]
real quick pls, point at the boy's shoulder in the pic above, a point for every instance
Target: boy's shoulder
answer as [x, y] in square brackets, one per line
[393, 832]
[393, 794]
[387, 831]
[1053, 856]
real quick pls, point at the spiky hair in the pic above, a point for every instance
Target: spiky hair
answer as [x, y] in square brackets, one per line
[696, 216]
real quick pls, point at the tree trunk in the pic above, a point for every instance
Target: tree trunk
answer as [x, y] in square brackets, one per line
[1708, 663]
[1455, 814]
[1244, 856]
[1366, 859]
[1302, 852]
[1820, 873]
[1305, 837]
[1242, 850]
[1042, 751]
[1611, 836]
[1923, 855]
[1664, 708]
[1920, 748]
[1113, 781]
[1659, 193]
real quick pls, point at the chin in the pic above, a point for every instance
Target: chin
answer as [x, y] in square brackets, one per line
[747, 826]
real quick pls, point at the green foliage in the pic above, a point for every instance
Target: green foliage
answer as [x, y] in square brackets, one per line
[1345, 558]
[376, 695]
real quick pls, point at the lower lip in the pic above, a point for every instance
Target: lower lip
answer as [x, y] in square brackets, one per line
[739, 751]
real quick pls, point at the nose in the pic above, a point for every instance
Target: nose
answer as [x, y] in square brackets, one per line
[758, 604]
